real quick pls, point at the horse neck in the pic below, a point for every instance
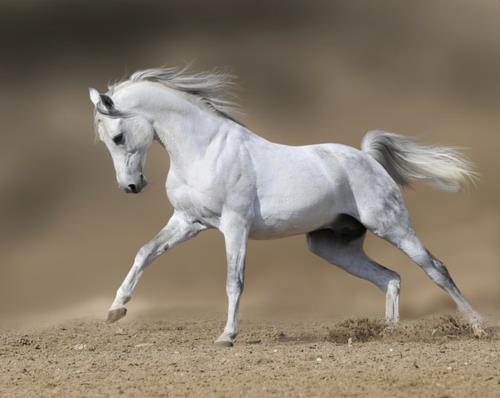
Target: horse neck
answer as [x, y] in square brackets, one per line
[186, 130]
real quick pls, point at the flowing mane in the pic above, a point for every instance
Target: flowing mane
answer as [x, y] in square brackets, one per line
[211, 88]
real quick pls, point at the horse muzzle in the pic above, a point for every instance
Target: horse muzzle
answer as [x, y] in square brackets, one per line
[137, 187]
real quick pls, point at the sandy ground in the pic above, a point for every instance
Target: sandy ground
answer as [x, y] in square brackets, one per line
[163, 355]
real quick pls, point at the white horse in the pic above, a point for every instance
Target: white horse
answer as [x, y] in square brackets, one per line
[224, 176]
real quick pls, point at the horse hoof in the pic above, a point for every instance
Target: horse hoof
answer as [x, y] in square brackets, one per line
[479, 332]
[223, 343]
[116, 314]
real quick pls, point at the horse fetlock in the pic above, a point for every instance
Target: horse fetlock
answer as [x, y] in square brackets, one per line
[122, 297]
[394, 286]
[392, 301]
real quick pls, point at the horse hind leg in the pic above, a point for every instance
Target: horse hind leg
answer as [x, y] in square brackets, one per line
[397, 230]
[439, 274]
[342, 245]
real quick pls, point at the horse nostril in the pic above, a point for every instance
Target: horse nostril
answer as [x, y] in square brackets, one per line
[133, 188]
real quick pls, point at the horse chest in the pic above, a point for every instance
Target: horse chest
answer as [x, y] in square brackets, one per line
[202, 204]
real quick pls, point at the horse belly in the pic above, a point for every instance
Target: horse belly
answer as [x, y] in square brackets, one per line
[305, 208]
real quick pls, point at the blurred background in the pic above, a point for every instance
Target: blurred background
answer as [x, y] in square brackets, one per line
[309, 72]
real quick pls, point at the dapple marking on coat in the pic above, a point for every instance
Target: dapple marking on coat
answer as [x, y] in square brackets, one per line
[224, 176]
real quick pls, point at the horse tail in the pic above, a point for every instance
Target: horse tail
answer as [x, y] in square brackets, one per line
[406, 160]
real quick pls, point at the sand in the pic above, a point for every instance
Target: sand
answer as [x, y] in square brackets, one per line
[169, 355]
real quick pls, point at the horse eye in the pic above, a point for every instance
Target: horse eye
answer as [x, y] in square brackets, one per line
[118, 139]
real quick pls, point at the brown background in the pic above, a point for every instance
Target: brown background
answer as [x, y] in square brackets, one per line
[310, 72]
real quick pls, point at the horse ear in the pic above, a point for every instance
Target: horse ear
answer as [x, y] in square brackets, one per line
[95, 97]
[104, 99]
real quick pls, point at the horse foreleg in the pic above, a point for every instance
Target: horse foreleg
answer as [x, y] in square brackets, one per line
[177, 230]
[236, 237]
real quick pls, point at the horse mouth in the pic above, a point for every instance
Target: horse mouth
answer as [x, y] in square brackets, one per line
[132, 188]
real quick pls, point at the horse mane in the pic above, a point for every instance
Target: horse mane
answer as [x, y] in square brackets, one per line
[211, 88]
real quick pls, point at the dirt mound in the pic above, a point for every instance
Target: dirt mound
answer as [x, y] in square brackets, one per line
[433, 329]
[357, 330]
